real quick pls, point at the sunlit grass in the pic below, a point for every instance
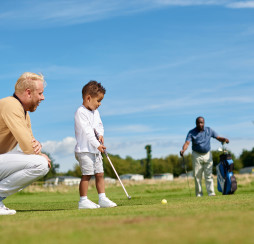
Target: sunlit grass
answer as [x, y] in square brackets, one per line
[47, 215]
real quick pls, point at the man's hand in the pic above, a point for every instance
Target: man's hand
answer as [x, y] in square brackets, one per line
[101, 139]
[185, 147]
[222, 139]
[101, 148]
[49, 161]
[36, 146]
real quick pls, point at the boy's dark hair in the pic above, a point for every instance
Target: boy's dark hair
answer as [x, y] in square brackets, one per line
[93, 88]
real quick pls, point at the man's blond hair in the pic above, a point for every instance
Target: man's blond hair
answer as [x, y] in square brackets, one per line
[26, 81]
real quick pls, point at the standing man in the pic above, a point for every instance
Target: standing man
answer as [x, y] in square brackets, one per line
[19, 169]
[202, 160]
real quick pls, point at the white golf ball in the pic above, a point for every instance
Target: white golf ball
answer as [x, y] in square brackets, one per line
[164, 201]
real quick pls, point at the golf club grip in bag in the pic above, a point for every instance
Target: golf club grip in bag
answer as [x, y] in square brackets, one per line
[225, 178]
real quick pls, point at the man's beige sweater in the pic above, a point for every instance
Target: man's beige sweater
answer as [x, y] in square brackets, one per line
[15, 126]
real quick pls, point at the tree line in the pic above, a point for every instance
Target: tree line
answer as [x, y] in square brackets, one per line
[149, 166]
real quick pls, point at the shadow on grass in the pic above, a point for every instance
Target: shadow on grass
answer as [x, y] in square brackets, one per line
[41, 210]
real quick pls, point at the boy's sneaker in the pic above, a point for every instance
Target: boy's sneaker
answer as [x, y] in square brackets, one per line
[87, 204]
[106, 203]
[6, 211]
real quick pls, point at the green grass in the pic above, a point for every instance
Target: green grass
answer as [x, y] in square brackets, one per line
[53, 217]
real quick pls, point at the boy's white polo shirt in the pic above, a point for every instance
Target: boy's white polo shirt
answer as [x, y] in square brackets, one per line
[85, 123]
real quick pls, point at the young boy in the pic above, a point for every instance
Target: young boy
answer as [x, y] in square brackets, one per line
[88, 149]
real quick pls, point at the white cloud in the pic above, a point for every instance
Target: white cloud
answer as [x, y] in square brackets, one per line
[243, 126]
[241, 4]
[64, 12]
[34, 13]
[62, 152]
[189, 2]
[174, 104]
[64, 147]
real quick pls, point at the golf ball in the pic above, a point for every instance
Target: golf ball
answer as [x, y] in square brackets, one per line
[164, 201]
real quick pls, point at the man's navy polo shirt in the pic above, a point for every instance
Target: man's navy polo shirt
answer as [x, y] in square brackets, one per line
[201, 139]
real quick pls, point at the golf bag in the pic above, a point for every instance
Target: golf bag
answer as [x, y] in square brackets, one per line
[225, 178]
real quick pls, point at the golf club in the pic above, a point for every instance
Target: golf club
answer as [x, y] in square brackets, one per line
[185, 167]
[222, 148]
[105, 152]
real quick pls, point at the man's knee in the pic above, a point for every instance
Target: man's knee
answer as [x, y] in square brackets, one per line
[41, 165]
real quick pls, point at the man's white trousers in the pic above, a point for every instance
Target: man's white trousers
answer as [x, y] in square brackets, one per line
[203, 163]
[18, 170]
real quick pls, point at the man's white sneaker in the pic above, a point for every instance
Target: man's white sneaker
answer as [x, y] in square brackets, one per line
[6, 211]
[212, 195]
[106, 203]
[87, 204]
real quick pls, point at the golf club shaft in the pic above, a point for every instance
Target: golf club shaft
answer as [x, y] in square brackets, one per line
[105, 152]
[117, 175]
[187, 179]
[185, 167]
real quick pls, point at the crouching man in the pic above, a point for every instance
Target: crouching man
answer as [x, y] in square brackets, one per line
[19, 169]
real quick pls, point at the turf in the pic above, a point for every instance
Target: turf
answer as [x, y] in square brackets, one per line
[51, 215]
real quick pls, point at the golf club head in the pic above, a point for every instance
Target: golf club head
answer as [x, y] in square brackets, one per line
[129, 197]
[220, 149]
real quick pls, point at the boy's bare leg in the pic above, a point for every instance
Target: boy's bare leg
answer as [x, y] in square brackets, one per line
[83, 185]
[100, 185]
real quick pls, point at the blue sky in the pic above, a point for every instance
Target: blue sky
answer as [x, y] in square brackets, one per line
[162, 62]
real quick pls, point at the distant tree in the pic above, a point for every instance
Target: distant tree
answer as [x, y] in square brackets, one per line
[237, 165]
[176, 164]
[149, 165]
[118, 163]
[129, 159]
[122, 166]
[160, 165]
[247, 158]
[53, 170]
[188, 162]
[216, 160]
[76, 172]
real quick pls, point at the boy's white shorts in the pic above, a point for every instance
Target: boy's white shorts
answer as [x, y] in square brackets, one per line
[90, 163]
